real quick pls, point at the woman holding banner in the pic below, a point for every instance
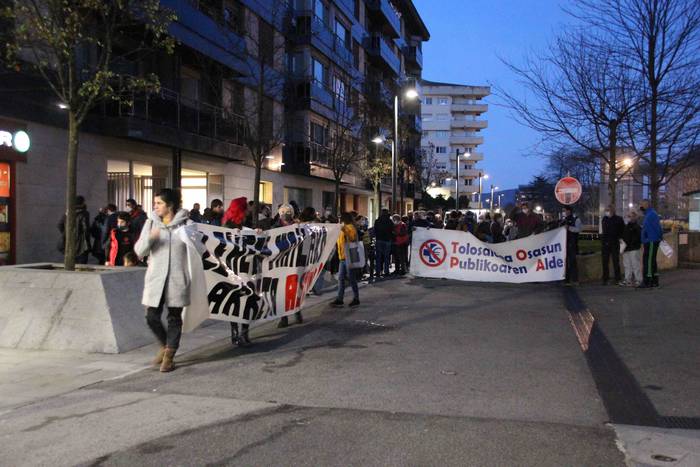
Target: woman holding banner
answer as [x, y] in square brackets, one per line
[175, 273]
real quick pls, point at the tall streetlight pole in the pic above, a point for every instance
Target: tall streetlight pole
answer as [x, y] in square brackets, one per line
[485, 177]
[382, 140]
[410, 94]
[457, 184]
[493, 187]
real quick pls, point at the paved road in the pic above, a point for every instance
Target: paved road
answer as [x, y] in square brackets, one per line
[423, 373]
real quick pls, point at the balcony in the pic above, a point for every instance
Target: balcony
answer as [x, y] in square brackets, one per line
[169, 109]
[474, 156]
[413, 56]
[467, 140]
[415, 123]
[469, 123]
[469, 173]
[309, 29]
[470, 108]
[383, 12]
[378, 49]
[379, 92]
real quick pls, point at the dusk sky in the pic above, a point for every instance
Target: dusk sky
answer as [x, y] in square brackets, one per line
[467, 39]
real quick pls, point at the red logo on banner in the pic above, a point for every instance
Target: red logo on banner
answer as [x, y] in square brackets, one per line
[432, 253]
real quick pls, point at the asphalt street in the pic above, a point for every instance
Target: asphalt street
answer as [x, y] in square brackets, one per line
[425, 372]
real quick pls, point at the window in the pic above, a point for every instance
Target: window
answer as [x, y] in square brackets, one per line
[443, 101]
[356, 54]
[318, 134]
[321, 11]
[468, 166]
[189, 83]
[428, 101]
[442, 134]
[443, 117]
[425, 134]
[339, 88]
[320, 73]
[440, 149]
[468, 181]
[266, 42]
[302, 196]
[342, 32]
[427, 117]
[234, 16]
[265, 195]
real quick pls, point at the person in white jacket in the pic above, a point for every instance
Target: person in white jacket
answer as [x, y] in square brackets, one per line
[171, 271]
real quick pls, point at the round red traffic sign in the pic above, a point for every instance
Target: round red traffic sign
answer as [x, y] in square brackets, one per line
[568, 190]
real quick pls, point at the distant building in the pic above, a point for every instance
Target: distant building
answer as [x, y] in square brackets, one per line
[452, 128]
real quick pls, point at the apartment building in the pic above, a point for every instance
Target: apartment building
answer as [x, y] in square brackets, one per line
[452, 116]
[190, 134]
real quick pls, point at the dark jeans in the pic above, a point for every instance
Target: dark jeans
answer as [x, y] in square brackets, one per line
[651, 274]
[611, 250]
[171, 337]
[401, 259]
[345, 273]
[383, 257]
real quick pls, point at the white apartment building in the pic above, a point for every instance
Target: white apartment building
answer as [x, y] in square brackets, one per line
[452, 128]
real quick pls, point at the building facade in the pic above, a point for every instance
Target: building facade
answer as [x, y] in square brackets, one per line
[452, 130]
[319, 56]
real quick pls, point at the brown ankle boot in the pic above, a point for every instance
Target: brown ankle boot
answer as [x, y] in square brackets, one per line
[168, 364]
[159, 356]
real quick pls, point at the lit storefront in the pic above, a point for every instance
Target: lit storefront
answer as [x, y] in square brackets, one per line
[14, 145]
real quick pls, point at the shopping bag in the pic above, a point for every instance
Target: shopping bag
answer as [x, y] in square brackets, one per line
[666, 249]
[355, 255]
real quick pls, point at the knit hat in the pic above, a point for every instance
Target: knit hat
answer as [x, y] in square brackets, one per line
[236, 211]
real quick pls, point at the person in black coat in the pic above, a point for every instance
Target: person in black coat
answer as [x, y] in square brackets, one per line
[384, 235]
[612, 229]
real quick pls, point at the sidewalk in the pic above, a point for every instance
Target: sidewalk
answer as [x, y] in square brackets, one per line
[27, 376]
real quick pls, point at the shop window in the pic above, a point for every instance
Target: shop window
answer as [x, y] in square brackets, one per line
[266, 193]
[5, 206]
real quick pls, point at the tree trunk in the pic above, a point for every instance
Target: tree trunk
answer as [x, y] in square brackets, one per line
[336, 208]
[71, 192]
[256, 191]
[612, 164]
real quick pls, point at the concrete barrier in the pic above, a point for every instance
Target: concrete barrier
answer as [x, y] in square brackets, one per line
[590, 267]
[45, 307]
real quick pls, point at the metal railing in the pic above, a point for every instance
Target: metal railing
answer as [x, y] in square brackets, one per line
[171, 109]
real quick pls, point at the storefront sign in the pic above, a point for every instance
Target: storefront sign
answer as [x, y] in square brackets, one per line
[18, 140]
[459, 255]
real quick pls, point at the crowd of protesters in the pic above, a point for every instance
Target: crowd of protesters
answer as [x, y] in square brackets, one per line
[133, 238]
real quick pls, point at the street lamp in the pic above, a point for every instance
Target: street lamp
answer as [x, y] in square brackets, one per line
[485, 177]
[381, 140]
[493, 187]
[409, 94]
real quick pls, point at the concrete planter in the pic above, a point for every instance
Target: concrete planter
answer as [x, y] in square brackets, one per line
[98, 310]
[590, 267]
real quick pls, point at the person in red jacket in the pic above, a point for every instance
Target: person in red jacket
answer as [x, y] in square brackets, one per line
[401, 241]
[121, 240]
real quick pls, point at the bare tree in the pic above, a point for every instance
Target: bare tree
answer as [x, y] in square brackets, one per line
[661, 41]
[76, 46]
[376, 168]
[584, 94]
[573, 161]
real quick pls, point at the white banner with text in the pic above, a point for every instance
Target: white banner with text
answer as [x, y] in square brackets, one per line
[460, 255]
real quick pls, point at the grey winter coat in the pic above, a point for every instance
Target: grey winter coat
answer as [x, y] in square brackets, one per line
[167, 276]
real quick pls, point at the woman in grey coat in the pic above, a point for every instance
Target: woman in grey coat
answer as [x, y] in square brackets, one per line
[167, 281]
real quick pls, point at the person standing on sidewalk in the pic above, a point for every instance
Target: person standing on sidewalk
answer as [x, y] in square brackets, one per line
[652, 234]
[383, 233]
[167, 282]
[82, 232]
[631, 258]
[613, 227]
[573, 229]
[401, 242]
[348, 233]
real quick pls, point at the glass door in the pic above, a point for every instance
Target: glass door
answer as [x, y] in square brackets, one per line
[6, 240]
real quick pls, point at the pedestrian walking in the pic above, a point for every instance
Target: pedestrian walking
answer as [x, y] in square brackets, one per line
[652, 234]
[573, 229]
[348, 234]
[632, 256]
[82, 232]
[612, 228]
[169, 274]
[383, 233]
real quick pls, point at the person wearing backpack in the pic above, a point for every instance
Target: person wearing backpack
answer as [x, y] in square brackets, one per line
[348, 234]
[401, 241]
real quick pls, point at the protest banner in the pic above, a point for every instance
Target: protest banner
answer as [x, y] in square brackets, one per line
[460, 255]
[253, 277]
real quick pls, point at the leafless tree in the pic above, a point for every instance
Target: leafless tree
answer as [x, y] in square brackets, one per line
[377, 167]
[76, 47]
[660, 39]
[584, 94]
[575, 162]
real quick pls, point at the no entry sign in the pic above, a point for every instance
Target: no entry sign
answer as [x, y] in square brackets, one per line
[568, 190]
